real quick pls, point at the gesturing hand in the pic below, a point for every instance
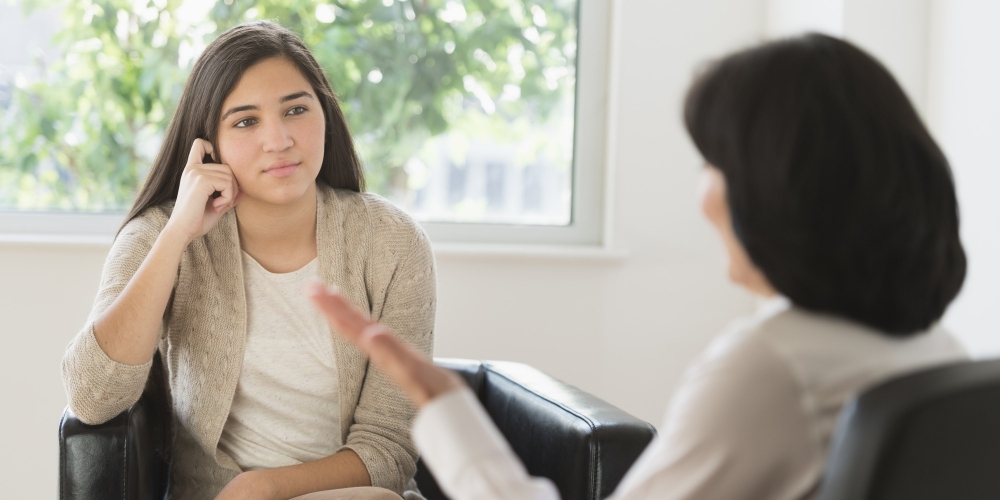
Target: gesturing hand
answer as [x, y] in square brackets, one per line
[195, 211]
[418, 377]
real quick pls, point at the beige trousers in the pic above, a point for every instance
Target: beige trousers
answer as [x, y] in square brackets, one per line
[359, 493]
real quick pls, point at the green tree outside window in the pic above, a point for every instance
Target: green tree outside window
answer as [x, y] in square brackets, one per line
[407, 71]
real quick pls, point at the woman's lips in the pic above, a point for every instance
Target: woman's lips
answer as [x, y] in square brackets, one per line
[282, 169]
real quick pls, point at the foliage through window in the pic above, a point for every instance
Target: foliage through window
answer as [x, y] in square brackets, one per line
[462, 110]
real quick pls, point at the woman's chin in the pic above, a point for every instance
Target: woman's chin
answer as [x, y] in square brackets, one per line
[739, 276]
[283, 197]
[751, 280]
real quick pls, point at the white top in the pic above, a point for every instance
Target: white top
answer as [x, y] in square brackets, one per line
[285, 410]
[751, 419]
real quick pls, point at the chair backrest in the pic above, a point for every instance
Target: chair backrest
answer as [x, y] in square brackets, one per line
[582, 443]
[929, 435]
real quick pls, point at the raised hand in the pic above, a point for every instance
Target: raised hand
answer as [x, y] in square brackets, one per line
[196, 211]
[418, 377]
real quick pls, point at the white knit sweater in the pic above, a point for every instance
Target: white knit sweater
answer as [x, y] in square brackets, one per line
[371, 250]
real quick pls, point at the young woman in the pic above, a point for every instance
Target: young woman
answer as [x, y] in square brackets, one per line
[835, 204]
[257, 189]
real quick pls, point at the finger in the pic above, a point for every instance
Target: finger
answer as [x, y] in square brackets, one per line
[224, 200]
[345, 318]
[214, 181]
[387, 351]
[210, 182]
[401, 363]
[221, 168]
[416, 375]
[232, 203]
[381, 347]
[199, 149]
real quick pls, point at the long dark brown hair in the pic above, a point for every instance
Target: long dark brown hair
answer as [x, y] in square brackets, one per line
[214, 76]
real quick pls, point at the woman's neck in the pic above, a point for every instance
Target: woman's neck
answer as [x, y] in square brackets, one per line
[281, 238]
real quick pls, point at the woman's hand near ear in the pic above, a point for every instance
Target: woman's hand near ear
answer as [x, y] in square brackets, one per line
[196, 212]
[417, 376]
[128, 329]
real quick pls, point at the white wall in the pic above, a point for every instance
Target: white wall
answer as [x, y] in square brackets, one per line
[964, 105]
[45, 295]
[897, 33]
[791, 17]
[894, 31]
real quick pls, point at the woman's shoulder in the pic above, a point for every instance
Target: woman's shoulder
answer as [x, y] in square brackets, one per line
[748, 332]
[373, 214]
[147, 224]
[827, 354]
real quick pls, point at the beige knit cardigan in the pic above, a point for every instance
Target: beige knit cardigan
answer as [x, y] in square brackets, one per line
[374, 252]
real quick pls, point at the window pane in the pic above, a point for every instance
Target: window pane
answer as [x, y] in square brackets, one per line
[462, 111]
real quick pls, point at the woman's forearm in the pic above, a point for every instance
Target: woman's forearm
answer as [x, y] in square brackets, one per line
[341, 470]
[128, 330]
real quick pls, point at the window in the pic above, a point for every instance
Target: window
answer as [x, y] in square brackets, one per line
[466, 114]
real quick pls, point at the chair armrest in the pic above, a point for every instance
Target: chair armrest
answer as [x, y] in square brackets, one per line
[126, 457]
[582, 443]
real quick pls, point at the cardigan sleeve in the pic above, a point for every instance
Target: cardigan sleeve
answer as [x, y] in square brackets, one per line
[405, 303]
[99, 388]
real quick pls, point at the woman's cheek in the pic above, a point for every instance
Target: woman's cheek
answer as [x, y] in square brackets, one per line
[713, 200]
[314, 133]
[238, 154]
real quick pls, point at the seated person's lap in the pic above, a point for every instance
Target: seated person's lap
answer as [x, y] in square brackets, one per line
[359, 493]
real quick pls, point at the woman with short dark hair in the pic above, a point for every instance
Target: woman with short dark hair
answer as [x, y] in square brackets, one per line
[256, 190]
[834, 204]
[837, 191]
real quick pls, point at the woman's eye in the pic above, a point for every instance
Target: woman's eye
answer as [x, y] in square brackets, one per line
[244, 123]
[297, 110]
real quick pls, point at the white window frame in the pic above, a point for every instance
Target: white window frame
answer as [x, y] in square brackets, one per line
[590, 180]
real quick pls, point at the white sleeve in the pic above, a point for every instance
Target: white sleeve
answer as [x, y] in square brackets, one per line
[738, 428]
[468, 456]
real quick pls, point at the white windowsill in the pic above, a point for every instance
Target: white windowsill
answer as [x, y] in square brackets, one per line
[54, 240]
[441, 250]
[530, 252]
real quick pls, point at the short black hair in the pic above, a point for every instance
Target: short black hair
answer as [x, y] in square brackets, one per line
[837, 190]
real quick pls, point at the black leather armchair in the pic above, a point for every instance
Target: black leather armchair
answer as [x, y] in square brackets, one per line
[580, 442]
[126, 457]
[930, 435]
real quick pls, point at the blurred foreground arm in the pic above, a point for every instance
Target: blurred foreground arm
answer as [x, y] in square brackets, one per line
[467, 454]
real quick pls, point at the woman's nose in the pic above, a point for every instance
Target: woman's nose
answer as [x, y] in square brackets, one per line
[277, 137]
